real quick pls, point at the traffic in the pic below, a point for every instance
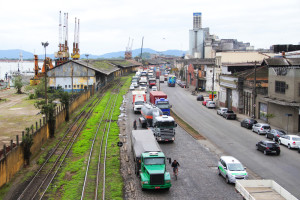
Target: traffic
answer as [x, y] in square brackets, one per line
[155, 115]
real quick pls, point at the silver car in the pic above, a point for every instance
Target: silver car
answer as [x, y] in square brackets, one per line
[211, 104]
[261, 128]
[221, 110]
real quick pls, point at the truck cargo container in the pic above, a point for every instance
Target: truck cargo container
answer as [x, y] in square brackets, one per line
[159, 98]
[161, 79]
[262, 189]
[138, 100]
[149, 112]
[150, 161]
[158, 73]
[171, 80]
[152, 82]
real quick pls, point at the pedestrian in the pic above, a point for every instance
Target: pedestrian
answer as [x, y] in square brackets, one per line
[134, 124]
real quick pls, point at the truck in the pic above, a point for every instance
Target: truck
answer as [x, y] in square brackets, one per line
[150, 161]
[262, 189]
[152, 82]
[160, 99]
[171, 80]
[164, 128]
[138, 100]
[161, 79]
[157, 74]
[149, 113]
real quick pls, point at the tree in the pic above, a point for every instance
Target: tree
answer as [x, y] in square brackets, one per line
[65, 100]
[49, 111]
[18, 84]
[27, 142]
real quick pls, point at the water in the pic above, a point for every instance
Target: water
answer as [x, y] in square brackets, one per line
[7, 67]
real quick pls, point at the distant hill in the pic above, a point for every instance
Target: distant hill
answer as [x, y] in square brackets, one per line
[14, 54]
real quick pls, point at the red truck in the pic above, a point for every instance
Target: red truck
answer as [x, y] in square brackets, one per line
[158, 73]
[157, 95]
[152, 82]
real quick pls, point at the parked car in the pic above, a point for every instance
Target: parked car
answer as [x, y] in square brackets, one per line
[231, 169]
[205, 101]
[182, 84]
[268, 147]
[221, 110]
[154, 88]
[200, 97]
[135, 84]
[131, 87]
[211, 104]
[248, 123]
[261, 128]
[275, 134]
[229, 114]
[291, 141]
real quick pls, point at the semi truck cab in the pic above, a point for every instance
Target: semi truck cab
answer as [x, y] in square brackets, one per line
[164, 105]
[164, 128]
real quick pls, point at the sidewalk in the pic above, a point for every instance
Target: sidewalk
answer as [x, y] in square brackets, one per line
[239, 117]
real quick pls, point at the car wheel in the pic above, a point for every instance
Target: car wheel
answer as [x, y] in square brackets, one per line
[252, 130]
[279, 142]
[227, 180]
[289, 146]
[265, 152]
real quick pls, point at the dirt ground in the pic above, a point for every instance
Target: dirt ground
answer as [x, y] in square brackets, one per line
[17, 112]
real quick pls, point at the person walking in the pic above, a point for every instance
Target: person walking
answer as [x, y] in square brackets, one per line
[175, 166]
[134, 124]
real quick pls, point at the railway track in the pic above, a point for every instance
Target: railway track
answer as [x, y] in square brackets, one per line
[94, 186]
[40, 182]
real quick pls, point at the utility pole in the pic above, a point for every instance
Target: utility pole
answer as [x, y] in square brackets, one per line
[213, 83]
[45, 45]
[254, 92]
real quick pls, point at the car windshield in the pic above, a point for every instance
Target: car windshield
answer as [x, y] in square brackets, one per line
[154, 161]
[272, 145]
[235, 167]
[266, 127]
[163, 104]
[296, 139]
[139, 103]
[165, 124]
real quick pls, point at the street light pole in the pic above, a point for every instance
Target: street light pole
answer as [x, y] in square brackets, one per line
[45, 45]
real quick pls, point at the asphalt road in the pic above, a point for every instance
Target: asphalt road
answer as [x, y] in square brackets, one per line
[198, 177]
[234, 140]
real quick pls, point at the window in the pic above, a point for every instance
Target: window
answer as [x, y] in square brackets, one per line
[69, 86]
[280, 87]
[66, 86]
[74, 86]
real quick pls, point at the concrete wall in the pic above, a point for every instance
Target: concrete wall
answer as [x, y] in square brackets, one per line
[292, 79]
[13, 161]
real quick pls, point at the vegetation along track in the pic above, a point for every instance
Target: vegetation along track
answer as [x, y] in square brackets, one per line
[47, 172]
[81, 166]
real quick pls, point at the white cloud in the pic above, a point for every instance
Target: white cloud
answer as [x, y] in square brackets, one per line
[106, 25]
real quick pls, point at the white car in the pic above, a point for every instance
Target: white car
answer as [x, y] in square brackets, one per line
[211, 104]
[231, 169]
[154, 88]
[221, 110]
[261, 128]
[135, 84]
[131, 87]
[291, 141]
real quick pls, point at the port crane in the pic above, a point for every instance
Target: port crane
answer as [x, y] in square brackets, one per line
[128, 52]
[63, 52]
[76, 52]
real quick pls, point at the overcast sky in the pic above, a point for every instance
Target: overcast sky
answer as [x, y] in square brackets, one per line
[106, 25]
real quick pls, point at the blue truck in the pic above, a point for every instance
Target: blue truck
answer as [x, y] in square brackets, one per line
[171, 80]
[159, 99]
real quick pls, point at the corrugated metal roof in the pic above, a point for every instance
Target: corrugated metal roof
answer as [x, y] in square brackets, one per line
[100, 66]
[243, 57]
[279, 62]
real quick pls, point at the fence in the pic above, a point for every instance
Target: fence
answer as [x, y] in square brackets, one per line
[12, 158]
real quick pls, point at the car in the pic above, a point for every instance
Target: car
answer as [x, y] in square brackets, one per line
[205, 101]
[261, 128]
[229, 114]
[221, 110]
[131, 87]
[248, 123]
[231, 169]
[182, 84]
[200, 97]
[291, 141]
[275, 134]
[135, 84]
[154, 88]
[268, 147]
[211, 104]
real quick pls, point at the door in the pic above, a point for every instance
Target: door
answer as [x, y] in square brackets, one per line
[229, 98]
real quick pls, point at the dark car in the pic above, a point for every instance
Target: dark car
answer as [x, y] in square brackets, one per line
[268, 147]
[200, 98]
[248, 123]
[274, 134]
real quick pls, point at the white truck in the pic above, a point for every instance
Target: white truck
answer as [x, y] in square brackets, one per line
[138, 100]
[161, 79]
[262, 189]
